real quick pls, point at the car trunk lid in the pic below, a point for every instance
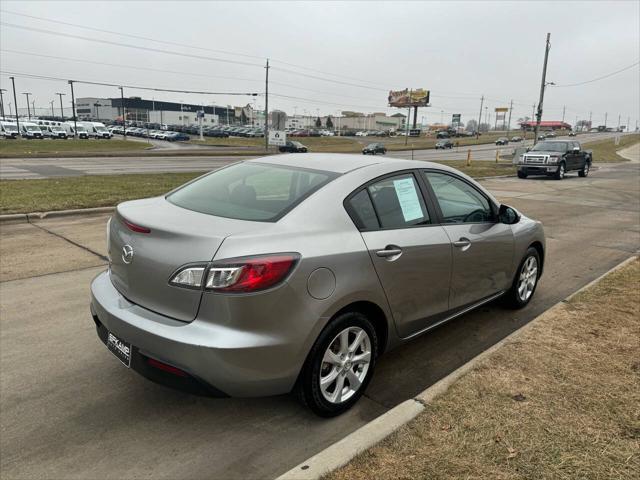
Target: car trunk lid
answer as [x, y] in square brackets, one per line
[170, 237]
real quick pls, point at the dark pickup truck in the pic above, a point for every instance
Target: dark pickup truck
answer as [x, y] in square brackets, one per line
[555, 158]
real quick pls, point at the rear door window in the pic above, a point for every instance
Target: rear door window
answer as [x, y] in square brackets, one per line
[394, 202]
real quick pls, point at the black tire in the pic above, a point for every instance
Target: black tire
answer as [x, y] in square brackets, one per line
[560, 173]
[522, 174]
[512, 297]
[585, 170]
[308, 384]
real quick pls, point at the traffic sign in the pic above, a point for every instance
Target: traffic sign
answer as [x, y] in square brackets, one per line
[277, 137]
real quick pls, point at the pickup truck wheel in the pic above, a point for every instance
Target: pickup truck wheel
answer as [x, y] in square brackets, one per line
[560, 172]
[585, 170]
[522, 174]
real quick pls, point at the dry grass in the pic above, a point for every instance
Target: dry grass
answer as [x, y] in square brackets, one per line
[21, 147]
[562, 402]
[605, 151]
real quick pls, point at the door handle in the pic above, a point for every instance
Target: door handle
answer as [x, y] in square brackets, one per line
[389, 252]
[462, 243]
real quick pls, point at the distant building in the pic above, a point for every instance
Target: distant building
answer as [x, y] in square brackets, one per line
[138, 109]
[545, 125]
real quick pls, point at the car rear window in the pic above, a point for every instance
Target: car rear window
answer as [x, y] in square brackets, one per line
[250, 191]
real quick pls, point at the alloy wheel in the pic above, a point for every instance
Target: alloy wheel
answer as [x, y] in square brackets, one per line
[528, 278]
[345, 365]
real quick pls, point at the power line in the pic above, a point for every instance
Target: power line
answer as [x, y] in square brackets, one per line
[118, 44]
[195, 47]
[118, 85]
[599, 78]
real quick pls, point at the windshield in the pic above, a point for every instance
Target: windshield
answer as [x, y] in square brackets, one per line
[80, 128]
[101, 129]
[57, 129]
[250, 191]
[32, 128]
[550, 147]
[372, 145]
[10, 128]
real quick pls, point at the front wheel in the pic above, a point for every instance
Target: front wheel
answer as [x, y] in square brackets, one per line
[339, 365]
[526, 280]
[585, 170]
[522, 174]
[560, 172]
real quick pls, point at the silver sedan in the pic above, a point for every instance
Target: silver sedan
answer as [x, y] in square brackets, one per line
[296, 272]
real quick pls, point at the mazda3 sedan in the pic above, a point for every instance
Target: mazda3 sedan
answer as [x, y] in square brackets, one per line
[294, 273]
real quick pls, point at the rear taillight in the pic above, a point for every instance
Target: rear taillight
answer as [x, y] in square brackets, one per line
[165, 367]
[250, 274]
[237, 275]
[135, 228]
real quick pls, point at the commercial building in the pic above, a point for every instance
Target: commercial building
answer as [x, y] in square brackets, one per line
[545, 125]
[138, 109]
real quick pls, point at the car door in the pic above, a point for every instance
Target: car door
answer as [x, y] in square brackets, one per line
[572, 160]
[482, 247]
[411, 254]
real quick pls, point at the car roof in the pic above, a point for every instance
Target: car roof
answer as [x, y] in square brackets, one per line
[343, 162]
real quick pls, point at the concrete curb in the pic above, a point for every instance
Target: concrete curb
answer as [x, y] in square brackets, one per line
[341, 452]
[29, 217]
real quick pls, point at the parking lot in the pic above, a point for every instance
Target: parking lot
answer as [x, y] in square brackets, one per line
[67, 402]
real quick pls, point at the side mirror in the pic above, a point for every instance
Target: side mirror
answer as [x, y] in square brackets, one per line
[528, 149]
[576, 150]
[508, 215]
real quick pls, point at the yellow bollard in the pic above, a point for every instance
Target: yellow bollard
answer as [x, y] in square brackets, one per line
[469, 158]
[497, 155]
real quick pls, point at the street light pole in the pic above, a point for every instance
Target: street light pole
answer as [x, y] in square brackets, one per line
[26, 94]
[124, 115]
[73, 110]
[51, 103]
[61, 107]
[2, 101]
[266, 106]
[15, 102]
[97, 105]
[479, 117]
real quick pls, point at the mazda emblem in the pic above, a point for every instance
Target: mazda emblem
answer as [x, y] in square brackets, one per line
[127, 254]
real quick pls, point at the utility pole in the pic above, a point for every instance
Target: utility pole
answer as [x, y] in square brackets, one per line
[124, 115]
[406, 137]
[97, 105]
[51, 103]
[543, 85]
[479, 117]
[73, 111]
[590, 120]
[61, 107]
[2, 102]
[509, 124]
[15, 102]
[266, 107]
[628, 126]
[26, 94]
[618, 123]
[563, 110]
[605, 119]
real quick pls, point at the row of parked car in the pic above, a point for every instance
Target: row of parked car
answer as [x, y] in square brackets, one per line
[168, 135]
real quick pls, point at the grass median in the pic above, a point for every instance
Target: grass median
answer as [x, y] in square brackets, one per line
[26, 196]
[561, 401]
[605, 151]
[21, 147]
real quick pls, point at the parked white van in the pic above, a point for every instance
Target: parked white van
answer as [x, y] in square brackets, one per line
[30, 130]
[53, 131]
[69, 127]
[97, 129]
[9, 130]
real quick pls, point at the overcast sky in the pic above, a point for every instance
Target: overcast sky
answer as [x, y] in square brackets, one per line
[360, 50]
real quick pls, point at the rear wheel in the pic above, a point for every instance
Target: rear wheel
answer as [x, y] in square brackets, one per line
[522, 174]
[585, 170]
[526, 280]
[560, 172]
[339, 366]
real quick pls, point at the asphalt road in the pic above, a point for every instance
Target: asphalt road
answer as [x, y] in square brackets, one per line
[71, 410]
[21, 168]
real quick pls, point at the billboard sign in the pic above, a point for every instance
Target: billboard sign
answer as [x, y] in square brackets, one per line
[455, 118]
[502, 109]
[409, 98]
[277, 137]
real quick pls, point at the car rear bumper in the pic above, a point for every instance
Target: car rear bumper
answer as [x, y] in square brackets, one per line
[218, 359]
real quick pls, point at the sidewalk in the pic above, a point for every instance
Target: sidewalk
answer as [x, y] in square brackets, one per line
[560, 402]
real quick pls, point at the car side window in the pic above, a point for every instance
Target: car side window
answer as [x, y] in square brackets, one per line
[362, 211]
[459, 202]
[398, 202]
